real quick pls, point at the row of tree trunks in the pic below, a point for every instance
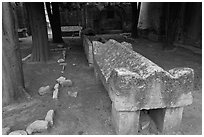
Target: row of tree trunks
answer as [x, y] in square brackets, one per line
[54, 17]
[12, 72]
[39, 31]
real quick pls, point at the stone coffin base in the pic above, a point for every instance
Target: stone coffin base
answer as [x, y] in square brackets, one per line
[167, 120]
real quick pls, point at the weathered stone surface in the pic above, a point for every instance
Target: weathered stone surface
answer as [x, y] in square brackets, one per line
[18, 132]
[67, 82]
[168, 120]
[44, 90]
[56, 86]
[6, 130]
[55, 94]
[88, 49]
[88, 46]
[37, 126]
[125, 122]
[60, 79]
[72, 94]
[134, 82]
[128, 45]
[60, 60]
[49, 117]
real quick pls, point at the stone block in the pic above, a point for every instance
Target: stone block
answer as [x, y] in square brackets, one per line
[125, 122]
[18, 132]
[44, 90]
[167, 120]
[87, 44]
[6, 130]
[55, 94]
[158, 90]
[60, 79]
[66, 82]
[37, 126]
[49, 117]
[56, 86]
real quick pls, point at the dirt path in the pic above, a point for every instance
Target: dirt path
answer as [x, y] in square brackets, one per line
[89, 113]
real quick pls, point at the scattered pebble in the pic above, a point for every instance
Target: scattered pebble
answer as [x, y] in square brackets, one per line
[60, 79]
[37, 126]
[145, 124]
[18, 132]
[44, 90]
[60, 60]
[74, 64]
[63, 64]
[72, 94]
[49, 117]
[67, 82]
[55, 94]
[6, 130]
[56, 86]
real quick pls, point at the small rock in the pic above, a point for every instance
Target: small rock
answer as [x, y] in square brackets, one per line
[72, 94]
[145, 124]
[44, 90]
[63, 64]
[60, 79]
[67, 82]
[74, 64]
[60, 60]
[37, 126]
[6, 130]
[55, 94]
[49, 117]
[18, 132]
[56, 86]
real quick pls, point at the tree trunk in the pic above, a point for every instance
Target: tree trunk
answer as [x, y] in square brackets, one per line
[39, 31]
[135, 18]
[12, 73]
[55, 23]
[27, 21]
[172, 13]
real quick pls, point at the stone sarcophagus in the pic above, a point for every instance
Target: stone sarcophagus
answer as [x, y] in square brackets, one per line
[135, 83]
[88, 46]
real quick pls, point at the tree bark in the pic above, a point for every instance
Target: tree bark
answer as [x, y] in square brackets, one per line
[39, 31]
[172, 13]
[12, 72]
[135, 18]
[27, 21]
[54, 17]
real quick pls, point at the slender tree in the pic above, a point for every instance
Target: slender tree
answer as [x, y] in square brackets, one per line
[54, 17]
[12, 72]
[39, 31]
[172, 12]
[135, 17]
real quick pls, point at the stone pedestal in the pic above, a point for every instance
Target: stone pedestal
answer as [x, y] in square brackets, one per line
[168, 120]
[125, 123]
